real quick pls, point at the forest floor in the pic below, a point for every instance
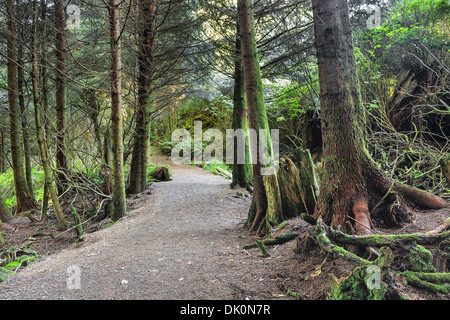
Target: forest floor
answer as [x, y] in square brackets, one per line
[182, 239]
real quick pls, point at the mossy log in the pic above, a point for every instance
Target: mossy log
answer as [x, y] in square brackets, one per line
[225, 173]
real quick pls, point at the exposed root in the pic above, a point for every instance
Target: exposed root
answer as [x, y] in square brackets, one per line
[441, 228]
[411, 256]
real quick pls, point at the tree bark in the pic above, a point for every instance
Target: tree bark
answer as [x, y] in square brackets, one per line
[118, 192]
[24, 199]
[266, 210]
[242, 173]
[347, 166]
[23, 111]
[2, 152]
[45, 195]
[39, 132]
[60, 95]
[146, 61]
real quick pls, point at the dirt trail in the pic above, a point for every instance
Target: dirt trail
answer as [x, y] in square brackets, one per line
[183, 241]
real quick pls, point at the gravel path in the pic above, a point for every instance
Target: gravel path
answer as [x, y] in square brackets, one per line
[183, 242]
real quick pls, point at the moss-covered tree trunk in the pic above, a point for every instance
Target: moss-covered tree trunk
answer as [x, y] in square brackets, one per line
[2, 152]
[60, 95]
[266, 209]
[351, 183]
[39, 132]
[44, 96]
[146, 61]
[5, 213]
[118, 191]
[242, 172]
[24, 199]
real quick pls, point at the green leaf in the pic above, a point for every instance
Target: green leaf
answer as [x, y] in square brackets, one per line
[12, 265]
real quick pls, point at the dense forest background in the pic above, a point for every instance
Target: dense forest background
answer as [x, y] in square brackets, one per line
[87, 87]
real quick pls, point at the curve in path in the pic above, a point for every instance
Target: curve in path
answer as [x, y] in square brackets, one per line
[181, 243]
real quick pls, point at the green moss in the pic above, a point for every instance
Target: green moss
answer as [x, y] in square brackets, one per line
[419, 259]
[420, 280]
[355, 287]
[364, 283]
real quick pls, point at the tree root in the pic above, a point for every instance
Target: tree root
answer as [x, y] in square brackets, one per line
[274, 241]
[385, 240]
[434, 282]
[444, 225]
[418, 261]
[263, 249]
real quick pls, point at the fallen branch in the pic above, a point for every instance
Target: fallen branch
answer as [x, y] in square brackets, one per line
[225, 173]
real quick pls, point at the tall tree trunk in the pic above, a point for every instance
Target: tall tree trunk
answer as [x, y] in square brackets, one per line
[60, 95]
[23, 112]
[351, 183]
[2, 152]
[44, 78]
[266, 210]
[242, 173]
[118, 192]
[23, 197]
[146, 61]
[39, 132]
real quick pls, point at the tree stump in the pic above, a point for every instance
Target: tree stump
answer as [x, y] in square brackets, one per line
[161, 174]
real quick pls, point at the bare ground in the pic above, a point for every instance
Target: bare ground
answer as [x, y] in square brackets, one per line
[182, 239]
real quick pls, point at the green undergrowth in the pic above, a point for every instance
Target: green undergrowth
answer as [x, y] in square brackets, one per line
[213, 168]
[14, 258]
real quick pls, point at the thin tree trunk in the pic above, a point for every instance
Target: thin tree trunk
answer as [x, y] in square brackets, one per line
[45, 195]
[146, 61]
[60, 95]
[2, 152]
[266, 210]
[39, 132]
[23, 112]
[107, 185]
[118, 192]
[242, 173]
[23, 197]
